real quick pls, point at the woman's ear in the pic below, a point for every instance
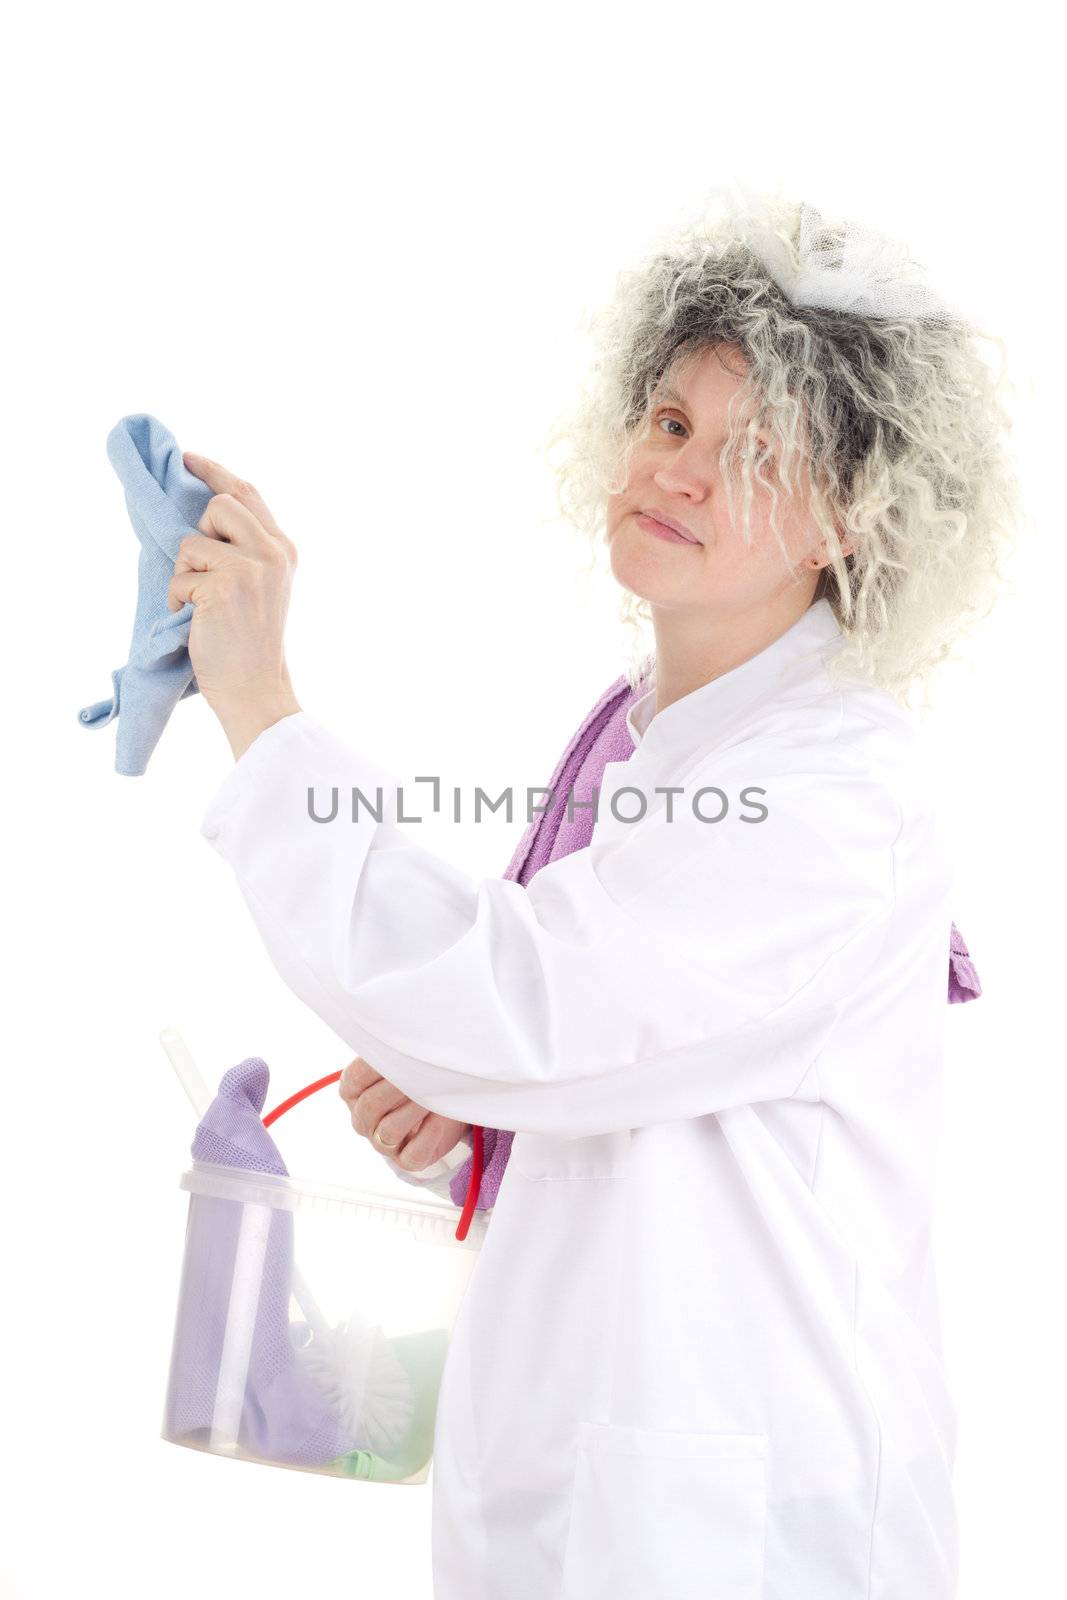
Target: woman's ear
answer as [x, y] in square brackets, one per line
[821, 559]
[842, 536]
[842, 539]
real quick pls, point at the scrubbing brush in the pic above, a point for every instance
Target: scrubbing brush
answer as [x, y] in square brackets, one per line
[356, 1370]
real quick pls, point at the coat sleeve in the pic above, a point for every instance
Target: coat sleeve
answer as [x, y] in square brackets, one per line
[667, 970]
[439, 1184]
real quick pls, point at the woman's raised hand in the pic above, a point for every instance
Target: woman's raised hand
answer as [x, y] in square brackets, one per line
[237, 571]
[409, 1134]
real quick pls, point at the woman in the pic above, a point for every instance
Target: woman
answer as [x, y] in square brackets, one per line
[699, 1355]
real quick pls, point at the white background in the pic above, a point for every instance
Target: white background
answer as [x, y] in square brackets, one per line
[346, 252]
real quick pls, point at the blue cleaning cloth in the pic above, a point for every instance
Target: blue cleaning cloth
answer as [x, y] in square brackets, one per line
[165, 502]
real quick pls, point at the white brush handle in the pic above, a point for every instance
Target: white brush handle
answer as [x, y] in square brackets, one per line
[186, 1069]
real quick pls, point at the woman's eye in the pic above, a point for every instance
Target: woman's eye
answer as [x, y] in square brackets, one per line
[761, 449]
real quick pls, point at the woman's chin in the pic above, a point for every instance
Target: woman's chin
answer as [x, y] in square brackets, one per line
[650, 576]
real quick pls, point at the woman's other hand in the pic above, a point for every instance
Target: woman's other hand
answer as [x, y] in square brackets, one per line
[409, 1134]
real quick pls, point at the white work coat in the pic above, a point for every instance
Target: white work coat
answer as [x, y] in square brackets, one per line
[699, 1356]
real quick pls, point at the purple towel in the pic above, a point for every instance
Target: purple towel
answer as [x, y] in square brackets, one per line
[285, 1417]
[604, 737]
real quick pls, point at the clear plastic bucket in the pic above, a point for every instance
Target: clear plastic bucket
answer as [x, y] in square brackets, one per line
[313, 1322]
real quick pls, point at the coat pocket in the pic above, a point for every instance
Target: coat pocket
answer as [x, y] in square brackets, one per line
[657, 1513]
[540, 1155]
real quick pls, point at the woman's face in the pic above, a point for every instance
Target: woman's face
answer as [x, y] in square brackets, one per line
[674, 472]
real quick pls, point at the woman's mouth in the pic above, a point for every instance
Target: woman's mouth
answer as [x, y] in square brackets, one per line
[660, 529]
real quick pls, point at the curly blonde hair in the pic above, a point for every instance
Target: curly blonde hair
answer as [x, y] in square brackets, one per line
[897, 424]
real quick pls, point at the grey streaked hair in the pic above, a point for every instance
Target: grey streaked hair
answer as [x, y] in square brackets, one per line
[896, 423]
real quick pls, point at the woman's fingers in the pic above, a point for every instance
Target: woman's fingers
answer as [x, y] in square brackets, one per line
[394, 1123]
[225, 482]
[368, 1109]
[356, 1077]
[230, 521]
[238, 512]
[196, 556]
[234, 563]
[377, 1107]
[394, 1131]
[432, 1139]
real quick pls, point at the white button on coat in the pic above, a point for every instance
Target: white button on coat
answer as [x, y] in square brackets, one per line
[699, 1355]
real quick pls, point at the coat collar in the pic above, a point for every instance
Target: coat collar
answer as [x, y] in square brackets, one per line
[795, 655]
